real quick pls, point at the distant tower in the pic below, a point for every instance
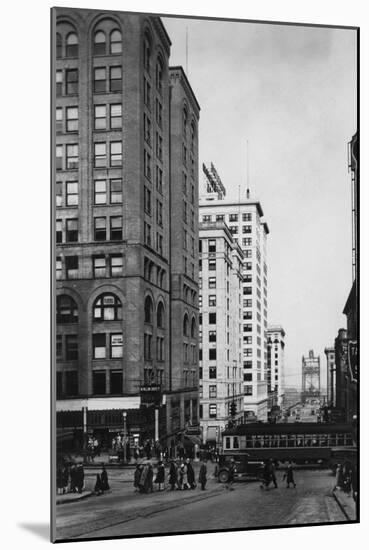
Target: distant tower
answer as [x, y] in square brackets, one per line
[310, 376]
[214, 188]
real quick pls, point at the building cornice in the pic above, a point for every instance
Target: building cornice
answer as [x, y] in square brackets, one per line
[177, 72]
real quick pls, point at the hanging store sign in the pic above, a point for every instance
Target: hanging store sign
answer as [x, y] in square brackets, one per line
[352, 360]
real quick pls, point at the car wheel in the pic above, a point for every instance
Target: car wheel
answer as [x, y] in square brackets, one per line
[223, 476]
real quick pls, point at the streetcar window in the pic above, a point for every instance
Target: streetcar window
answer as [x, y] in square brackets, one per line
[314, 440]
[332, 441]
[300, 441]
[291, 440]
[227, 442]
[235, 443]
[323, 440]
[275, 441]
[348, 439]
[340, 439]
[283, 441]
[249, 441]
[267, 440]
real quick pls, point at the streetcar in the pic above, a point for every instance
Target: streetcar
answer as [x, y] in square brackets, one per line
[302, 443]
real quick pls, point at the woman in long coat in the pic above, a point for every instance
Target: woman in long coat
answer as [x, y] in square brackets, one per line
[104, 479]
[173, 479]
[190, 474]
[202, 475]
[160, 476]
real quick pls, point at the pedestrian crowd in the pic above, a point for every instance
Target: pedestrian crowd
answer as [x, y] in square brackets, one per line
[180, 477]
[71, 479]
[269, 475]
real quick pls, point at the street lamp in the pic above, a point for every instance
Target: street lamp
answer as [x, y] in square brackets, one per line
[124, 436]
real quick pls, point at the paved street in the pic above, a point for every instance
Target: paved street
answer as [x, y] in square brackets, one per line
[123, 512]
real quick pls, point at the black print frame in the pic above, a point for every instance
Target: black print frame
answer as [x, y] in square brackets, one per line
[205, 206]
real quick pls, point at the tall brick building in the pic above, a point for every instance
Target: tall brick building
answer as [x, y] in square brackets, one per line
[115, 195]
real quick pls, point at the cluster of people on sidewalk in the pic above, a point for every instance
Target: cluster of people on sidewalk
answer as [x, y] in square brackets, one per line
[93, 448]
[181, 476]
[346, 479]
[269, 475]
[70, 479]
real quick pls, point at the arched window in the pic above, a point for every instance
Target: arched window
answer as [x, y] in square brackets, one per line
[160, 315]
[59, 46]
[185, 325]
[184, 121]
[193, 327]
[147, 52]
[107, 307]
[148, 309]
[115, 41]
[66, 309]
[99, 43]
[72, 45]
[159, 75]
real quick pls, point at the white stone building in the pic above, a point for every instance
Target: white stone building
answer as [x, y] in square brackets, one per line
[245, 221]
[220, 266]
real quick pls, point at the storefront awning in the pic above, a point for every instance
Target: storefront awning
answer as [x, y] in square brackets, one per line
[191, 440]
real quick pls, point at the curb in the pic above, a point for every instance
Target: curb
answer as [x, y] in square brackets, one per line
[74, 499]
[342, 506]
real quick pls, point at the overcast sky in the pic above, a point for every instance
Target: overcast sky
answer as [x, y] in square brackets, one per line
[291, 92]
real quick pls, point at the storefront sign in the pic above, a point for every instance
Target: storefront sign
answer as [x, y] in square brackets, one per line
[150, 394]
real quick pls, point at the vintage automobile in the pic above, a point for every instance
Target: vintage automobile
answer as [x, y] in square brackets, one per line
[245, 469]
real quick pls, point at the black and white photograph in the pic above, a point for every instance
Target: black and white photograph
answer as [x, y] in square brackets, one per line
[205, 274]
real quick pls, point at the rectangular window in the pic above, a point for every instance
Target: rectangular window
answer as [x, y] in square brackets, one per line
[247, 328]
[72, 81]
[100, 192]
[116, 265]
[115, 116]
[59, 83]
[247, 290]
[59, 268]
[72, 119]
[71, 347]
[116, 153]
[212, 411]
[100, 229]
[212, 300]
[100, 155]
[233, 217]
[159, 179]
[116, 228]
[159, 146]
[147, 129]
[99, 346]
[99, 266]
[72, 193]
[59, 119]
[99, 382]
[212, 354]
[116, 345]
[247, 340]
[212, 265]
[219, 217]
[147, 164]
[159, 113]
[116, 382]
[147, 93]
[248, 390]
[233, 229]
[72, 231]
[246, 229]
[71, 266]
[147, 234]
[212, 391]
[247, 266]
[116, 191]
[100, 117]
[59, 193]
[72, 156]
[71, 383]
[212, 282]
[59, 157]
[246, 217]
[159, 213]
[212, 318]
[59, 231]
[115, 84]
[147, 201]
[212, 336]
[212, 372]
[247, 364]
[99, 80]
[212, 246]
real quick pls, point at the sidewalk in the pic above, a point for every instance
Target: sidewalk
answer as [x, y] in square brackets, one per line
[346, 503]
[72, 497]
